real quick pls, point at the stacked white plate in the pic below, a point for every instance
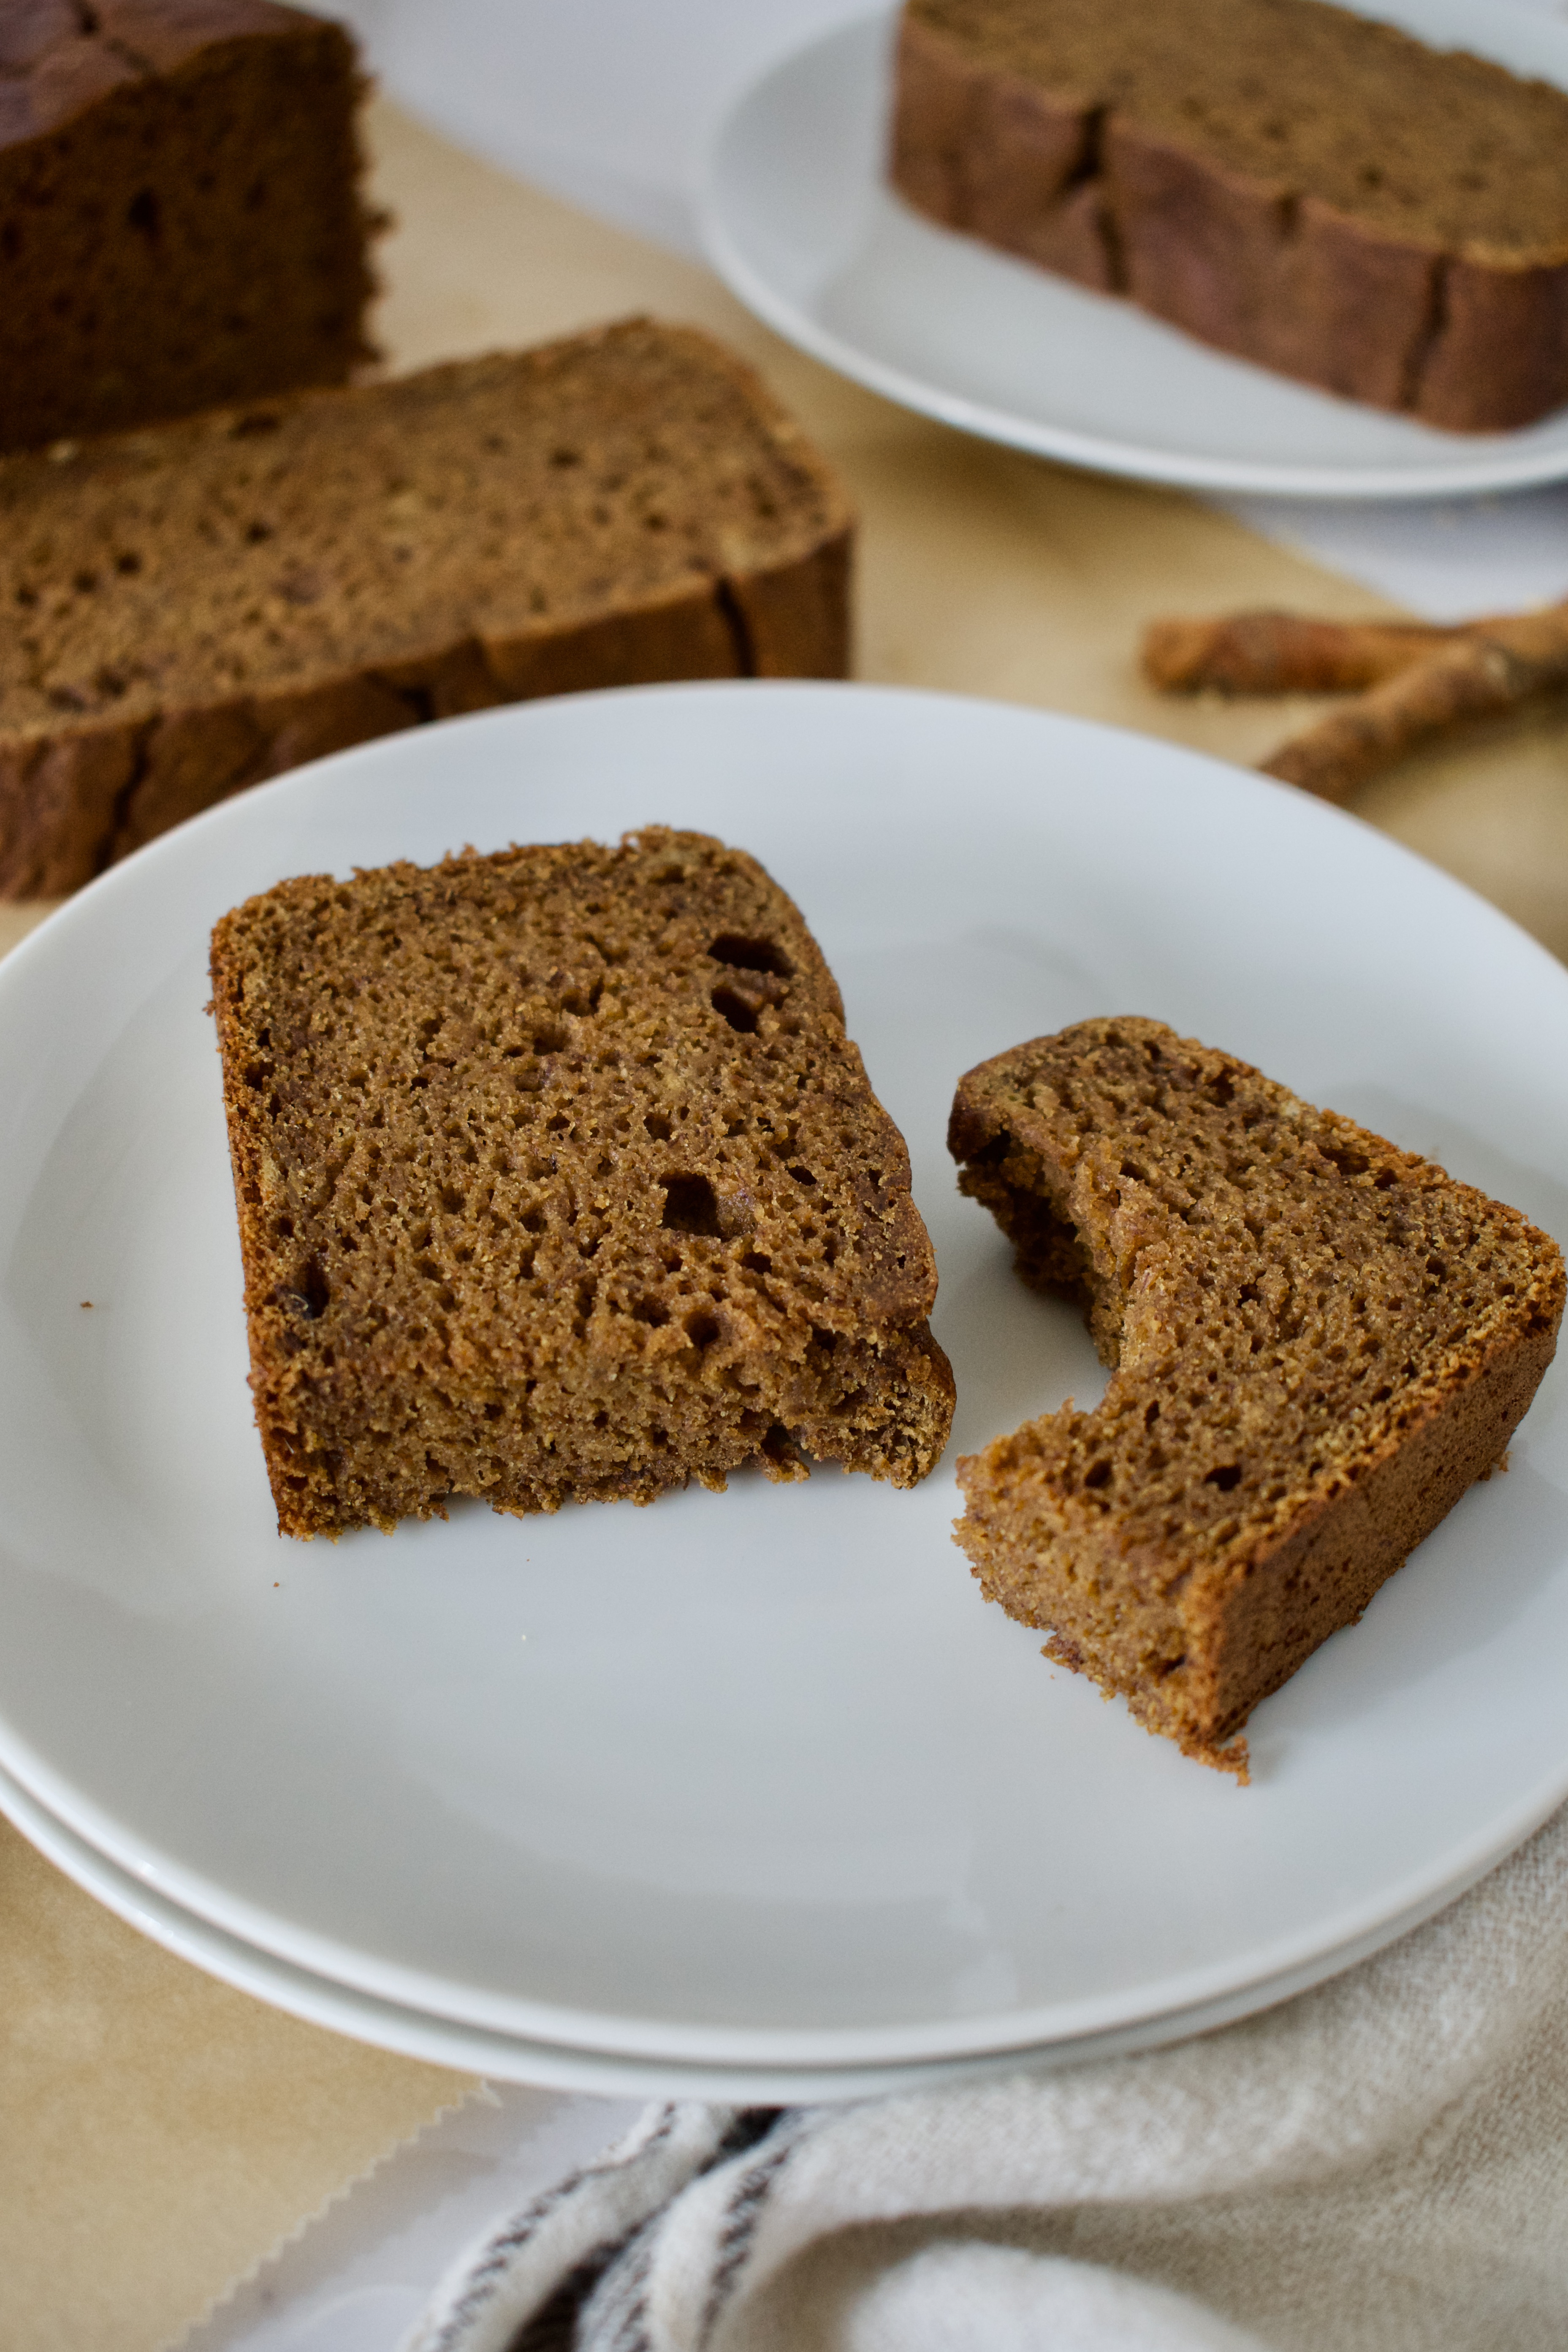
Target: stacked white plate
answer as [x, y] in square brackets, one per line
[744, 1795]
[797, 217]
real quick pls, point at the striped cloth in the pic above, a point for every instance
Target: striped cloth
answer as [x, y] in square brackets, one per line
[1378, 2166]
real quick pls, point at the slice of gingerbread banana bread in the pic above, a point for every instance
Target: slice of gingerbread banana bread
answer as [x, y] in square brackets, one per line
[1287, 180]
[558, 1178]
[1319, 1342]
[198, 607]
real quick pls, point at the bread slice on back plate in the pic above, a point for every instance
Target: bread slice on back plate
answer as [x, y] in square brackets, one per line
[1287, 180]
[1319, 1341]
[201, 605]
[559, 1179]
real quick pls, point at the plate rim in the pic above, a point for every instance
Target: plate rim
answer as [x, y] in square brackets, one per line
[794, 2048]
[498, 2056]
[1500, 470]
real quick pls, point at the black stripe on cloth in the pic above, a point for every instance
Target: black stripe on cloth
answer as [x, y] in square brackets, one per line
[523, 2228]
[614, 2315]
[500, 2251]
[742, 2213]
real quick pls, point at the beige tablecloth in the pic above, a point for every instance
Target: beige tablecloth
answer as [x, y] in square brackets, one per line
[163, 2132]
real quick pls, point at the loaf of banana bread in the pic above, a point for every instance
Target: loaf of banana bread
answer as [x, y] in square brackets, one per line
[199, 606]
[1320, 1342]
[558, 1178]
[1284, 179]
[180, 216]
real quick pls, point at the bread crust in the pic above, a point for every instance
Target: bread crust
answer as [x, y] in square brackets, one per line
[1464, 338]
[1320, 1342]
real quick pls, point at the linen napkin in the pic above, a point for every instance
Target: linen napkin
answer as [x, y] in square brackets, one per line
[1382, 2162]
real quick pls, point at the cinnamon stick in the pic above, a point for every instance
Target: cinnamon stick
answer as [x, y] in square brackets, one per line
[1416, 680]
[1282, 653]
[1483, 672]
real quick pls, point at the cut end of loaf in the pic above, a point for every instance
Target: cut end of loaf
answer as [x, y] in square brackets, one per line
[179, 210]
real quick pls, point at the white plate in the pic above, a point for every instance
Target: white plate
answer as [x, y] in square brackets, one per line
[766, 1784]
[508, 2058]
[441, 2042]
[798, 220]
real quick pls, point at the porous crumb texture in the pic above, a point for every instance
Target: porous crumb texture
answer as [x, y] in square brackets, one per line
[1319, 1341]
[558, 1178]
[180, 216]
[198, 607]
[1286, 179]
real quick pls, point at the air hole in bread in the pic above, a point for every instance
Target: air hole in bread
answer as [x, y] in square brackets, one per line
[732, 1007]
[751, 955]
[691, 1206]
[311, 1294]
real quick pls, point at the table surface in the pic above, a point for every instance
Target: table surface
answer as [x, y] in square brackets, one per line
[982, 572]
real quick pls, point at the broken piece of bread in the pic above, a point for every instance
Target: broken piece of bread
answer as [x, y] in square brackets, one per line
[1320, 1342]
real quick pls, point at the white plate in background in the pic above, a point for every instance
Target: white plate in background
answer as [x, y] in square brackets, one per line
[797, 219]
[766, 1785]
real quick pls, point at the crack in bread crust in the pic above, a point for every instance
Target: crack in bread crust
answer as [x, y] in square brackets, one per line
[1319, 1341]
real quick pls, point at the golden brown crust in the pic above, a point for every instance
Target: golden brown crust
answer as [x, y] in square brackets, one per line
[558, 1178]
[203, 606]
[1320, 1341]
[1281, 178]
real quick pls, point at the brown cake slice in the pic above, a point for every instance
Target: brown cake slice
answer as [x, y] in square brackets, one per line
[1287, 180]
[558, 1178]
[1319, 1341]
[180, 216]
[199, 607]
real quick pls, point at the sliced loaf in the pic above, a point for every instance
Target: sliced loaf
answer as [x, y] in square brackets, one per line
[199, 606]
